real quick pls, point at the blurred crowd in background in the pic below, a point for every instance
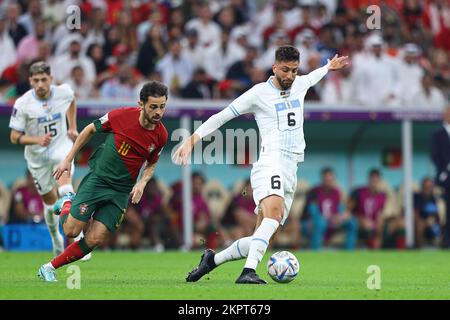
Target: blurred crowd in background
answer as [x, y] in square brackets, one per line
[370, 216]
[220, 48]
[217, 50]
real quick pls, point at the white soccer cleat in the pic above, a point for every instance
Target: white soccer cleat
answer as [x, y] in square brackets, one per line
[47, 274]
[87, 257]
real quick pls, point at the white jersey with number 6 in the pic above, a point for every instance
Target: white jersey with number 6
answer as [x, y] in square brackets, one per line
[279, 116]
[37, 117]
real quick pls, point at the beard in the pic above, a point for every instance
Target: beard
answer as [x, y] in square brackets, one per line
[285, 85]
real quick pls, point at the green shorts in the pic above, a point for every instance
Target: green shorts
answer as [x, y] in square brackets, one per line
[95, 198]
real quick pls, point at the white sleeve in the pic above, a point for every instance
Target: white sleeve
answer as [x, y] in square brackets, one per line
[315, 76]
[18, 118]
[241, 105]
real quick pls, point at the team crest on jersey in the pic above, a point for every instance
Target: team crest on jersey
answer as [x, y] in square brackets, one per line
[83, 209]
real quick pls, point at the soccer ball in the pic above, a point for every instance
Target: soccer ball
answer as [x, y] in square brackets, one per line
[283, 266]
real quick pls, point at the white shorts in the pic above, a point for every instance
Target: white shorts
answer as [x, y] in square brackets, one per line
[43, 176]
[274, 178]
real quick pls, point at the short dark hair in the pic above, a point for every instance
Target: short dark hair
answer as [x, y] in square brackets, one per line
[374, 172]
[39, 67]
[153, 89]
[327, 170]
[287, 53]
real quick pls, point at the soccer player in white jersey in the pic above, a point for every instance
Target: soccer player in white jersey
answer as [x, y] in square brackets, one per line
[277, 105]
[38, 121]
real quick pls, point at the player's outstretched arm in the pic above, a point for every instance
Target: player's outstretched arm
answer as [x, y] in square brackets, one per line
[138, 189]
[82, 139]
[72, 131]
[337, 63]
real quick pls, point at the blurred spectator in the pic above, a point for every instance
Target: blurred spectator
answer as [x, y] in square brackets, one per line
[376, 77]
[277, 26]
[306, 44]
[154, 19]
[436, 19]
[78, 83]
[192, 50]
[95, 52]
[120, 86]
[265, 61]
[339, 88]
[111, 40]
[27, 204]
[7, 48]
[325, 214]
[198, 88]
[307, 23]
[425, 95]
[151, 51]
[30, 18]
[240, 71]
[220, 56]
[208, 30]
[367, 205]
[409, 71]
[176, 70]
[126, 31]
[314, 62]
[16, 30]
[62, 66]
[28, 47]
[54, 12]
[204, 230]
[150, 218]
[426, 215]
[440, 155]
[240, 219]
[225, 18]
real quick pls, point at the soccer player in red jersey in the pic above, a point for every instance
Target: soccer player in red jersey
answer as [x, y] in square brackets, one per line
[135, 135]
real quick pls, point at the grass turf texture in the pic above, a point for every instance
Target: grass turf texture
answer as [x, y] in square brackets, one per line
[148, 275]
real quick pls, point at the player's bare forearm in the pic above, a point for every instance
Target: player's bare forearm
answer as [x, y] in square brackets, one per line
[147, 174]
[82, 139]
[138, 189]
[18, 137]
[72, 116]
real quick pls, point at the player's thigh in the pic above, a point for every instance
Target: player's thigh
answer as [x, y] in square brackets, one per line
[43, 179]
[97, 234]
[89, 196]
[72, 226]
[112, 213]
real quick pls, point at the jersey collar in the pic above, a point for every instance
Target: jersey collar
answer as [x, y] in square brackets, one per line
[282, 93]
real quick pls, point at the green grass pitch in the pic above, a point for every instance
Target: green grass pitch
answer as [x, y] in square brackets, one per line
[160, 276]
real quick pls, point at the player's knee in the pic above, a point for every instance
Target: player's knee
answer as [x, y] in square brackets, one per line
[71, 231]
[94, 241]
[274, 212]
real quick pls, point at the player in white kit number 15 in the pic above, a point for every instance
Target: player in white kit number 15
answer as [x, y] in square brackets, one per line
[38, 121]
[277, 105]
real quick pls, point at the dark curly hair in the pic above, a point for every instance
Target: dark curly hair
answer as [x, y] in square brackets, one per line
[153, 89]
[287, 53]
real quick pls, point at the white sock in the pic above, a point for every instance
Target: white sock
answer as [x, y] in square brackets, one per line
[237, 250]
[49, 266]
[78, 237]
[260, 242]
[65, 188]
[52, 222]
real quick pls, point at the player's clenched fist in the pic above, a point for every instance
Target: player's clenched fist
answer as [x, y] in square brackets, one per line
[44, 141]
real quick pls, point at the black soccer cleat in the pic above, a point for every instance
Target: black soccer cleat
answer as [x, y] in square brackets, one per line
[250, 278]
[205, 266]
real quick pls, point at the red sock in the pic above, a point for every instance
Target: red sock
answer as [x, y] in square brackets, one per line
[74, 252]
[65, 209]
